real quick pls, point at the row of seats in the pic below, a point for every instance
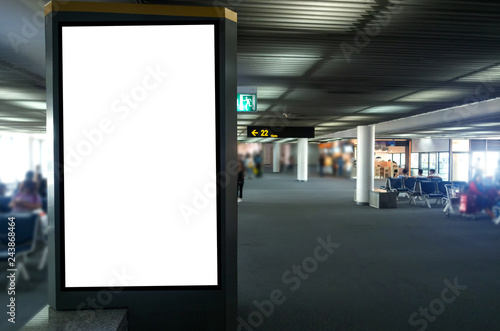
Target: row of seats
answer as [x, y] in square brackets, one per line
[422, 189]
[26, 230]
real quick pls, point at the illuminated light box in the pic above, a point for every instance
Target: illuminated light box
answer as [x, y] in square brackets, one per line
[123, 184]
[132, 204]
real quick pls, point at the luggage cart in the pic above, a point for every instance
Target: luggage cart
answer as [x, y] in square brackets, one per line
[458, 203]
[452, 200]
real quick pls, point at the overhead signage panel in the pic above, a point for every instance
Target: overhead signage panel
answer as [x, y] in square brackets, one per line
[280, 132]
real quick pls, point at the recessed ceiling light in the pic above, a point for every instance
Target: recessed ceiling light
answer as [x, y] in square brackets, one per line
[248, 116]
[389, 109]
[485, 76]
[355, 118]
[270, 92]
[404, 135]
[488, 124]
[244, 123]
[39, 105]
[433, 95]
[21, 93]
[456, 128]
[427, 132]
[22, 119]
[333, 124]
[483, 132]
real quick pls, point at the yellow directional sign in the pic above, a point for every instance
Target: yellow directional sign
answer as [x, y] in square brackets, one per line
[280, 132]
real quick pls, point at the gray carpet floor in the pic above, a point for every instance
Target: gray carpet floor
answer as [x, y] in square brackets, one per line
[409, 268]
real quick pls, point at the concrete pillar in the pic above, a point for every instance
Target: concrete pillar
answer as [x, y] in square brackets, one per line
[276, 157]
[302, 154]
[365, 163]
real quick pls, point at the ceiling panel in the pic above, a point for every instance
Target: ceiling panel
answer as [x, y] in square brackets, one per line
[316, 62]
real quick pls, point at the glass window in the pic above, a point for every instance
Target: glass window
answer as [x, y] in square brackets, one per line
[461, 166]
[36, 156]
[478, 162]
[443, 165]
[424, 163]
[44, 162]
[460, 145]
[491, 162]
[20, 149]
[433, 161]
[414, 160]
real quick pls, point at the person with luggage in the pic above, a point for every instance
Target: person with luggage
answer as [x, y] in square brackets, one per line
[484, 199]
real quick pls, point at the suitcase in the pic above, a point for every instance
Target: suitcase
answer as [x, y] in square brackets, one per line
[467, 204]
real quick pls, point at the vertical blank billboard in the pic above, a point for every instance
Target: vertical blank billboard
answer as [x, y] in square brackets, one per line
[139, 135]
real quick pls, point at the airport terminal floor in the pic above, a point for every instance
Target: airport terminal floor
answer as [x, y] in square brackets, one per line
[376, 269]
[311, 259]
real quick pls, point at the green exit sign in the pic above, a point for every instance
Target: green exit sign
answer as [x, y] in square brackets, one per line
[247, 102]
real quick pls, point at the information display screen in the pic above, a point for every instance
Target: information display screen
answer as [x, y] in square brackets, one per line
[139, 195]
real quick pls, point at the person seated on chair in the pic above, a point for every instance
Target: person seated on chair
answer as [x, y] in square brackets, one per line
[405, 174]
[484, 199]
[421, 174]
[432, 174]
[27, 199]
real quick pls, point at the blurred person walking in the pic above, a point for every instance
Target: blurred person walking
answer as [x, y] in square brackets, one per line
[340, 165]
[321, 163]
[258, 165]
[40, 181]
[249, 165]
[241, 180]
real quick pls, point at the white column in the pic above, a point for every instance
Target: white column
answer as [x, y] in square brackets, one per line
[302, 154]
[276, 157]
[365, 163]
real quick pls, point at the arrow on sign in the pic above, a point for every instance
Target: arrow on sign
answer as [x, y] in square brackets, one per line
[255, 132]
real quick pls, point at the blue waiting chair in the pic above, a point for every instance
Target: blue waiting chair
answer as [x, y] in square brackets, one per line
[396, 185]
[410, 185]
[436, 179]
[25, 229]
[428, 190]
[4, 204]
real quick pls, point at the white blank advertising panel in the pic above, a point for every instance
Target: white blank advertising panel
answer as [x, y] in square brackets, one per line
[139, 140]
